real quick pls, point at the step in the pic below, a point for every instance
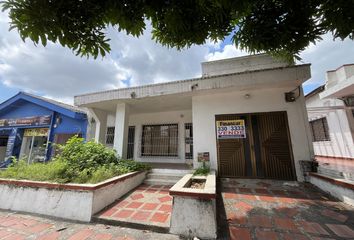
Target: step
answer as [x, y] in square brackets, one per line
[160, 182]
[127, 224]
[170, 171]
[165, 176]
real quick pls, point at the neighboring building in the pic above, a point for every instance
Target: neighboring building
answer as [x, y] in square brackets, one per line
[331, 115]
[246, 115]
[28, 124]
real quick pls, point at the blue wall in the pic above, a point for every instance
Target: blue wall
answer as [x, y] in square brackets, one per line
[72, 124]
[22, 108]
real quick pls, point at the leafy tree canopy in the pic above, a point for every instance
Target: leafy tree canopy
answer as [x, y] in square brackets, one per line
[279, 27]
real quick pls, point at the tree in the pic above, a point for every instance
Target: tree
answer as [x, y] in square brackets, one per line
[278, 27]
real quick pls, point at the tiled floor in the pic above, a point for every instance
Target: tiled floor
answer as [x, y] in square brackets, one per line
[14, 226]
[257, 209]
[149, 205]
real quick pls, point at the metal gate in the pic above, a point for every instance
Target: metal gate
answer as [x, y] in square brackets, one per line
[265, 152]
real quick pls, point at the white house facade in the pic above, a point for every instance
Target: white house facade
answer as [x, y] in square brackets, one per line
[246, 116]
[331, 116]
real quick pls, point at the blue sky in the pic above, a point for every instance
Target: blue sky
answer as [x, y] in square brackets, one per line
[56, 72]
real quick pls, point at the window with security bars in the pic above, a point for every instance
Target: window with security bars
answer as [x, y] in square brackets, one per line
[319, 129]
[160, 140]
[188, 135]
[110, 136]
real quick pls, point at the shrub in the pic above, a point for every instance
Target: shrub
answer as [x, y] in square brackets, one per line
[203, 170]
[77, 162]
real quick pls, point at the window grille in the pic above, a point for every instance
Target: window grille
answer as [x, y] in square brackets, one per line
[110, 136]
[131, 141]
[160, 140]
[188, 136]
[319, 129]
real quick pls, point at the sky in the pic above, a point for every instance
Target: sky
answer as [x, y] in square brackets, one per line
[56, 72]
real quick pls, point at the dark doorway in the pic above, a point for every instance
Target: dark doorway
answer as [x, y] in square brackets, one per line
[264, 152]
[131, 141]
[3, 147]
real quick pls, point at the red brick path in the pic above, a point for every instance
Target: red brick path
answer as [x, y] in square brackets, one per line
[15, 226]
[147, 204]
[268, 210]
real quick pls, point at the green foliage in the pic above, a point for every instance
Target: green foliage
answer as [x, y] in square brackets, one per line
[203, 170]
[51, 171]
[281, 27]
[77, 162]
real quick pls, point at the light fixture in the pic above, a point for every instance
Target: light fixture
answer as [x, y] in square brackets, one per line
[133, 95]
[292, 96]
[247, 96]
[194, 86]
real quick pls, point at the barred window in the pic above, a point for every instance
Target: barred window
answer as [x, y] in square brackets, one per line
[319, 129]
[160, 140]
[110, 136]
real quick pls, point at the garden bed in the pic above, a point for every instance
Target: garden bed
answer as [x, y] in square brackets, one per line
[68, 201]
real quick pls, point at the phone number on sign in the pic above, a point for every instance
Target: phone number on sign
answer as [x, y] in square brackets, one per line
[230, 128]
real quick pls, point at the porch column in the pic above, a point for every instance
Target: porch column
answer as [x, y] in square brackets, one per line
[100, 117]
[121, 129]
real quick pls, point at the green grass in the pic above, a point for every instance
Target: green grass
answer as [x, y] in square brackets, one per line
[77, 162]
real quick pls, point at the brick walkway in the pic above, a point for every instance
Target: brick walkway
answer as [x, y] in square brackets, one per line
[147, 205]
[257, 209]
[15, 226]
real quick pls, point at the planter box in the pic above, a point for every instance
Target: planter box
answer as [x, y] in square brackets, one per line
[194, 210]
[68, 201]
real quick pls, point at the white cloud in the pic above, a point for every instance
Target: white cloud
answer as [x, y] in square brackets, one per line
[56, 72]
[228, 51]
[327, 55]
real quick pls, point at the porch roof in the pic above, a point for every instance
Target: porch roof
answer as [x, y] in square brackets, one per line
[183, 90]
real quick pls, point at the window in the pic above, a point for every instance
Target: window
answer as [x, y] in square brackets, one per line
[319, 128]
[160, 140]
[3, 141]
[188, 138]
[131, 140]
[110, 136]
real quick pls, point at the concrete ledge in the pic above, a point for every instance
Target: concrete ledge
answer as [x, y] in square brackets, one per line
[194, 210]
[340, 189]
[209, 191]
[69, 201]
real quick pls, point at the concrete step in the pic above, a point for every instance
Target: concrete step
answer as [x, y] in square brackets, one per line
[165, 176]
[335, 173]
[160, 182]
[170, 171]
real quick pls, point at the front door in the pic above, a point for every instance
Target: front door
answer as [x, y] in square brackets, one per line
[263, 151]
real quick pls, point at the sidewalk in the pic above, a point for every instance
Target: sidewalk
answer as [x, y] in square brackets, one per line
[15, 226]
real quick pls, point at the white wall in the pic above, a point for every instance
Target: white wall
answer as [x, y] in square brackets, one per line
[68, 204]
[2, 153]
[205, 107]
[169, 117]
[341, 140]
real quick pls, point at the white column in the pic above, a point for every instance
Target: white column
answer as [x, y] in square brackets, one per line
[100, 117]
[121, 129]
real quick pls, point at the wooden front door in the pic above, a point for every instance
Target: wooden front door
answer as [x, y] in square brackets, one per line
[265, 152]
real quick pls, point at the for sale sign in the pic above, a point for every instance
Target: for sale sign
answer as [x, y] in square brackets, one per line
[228, 129]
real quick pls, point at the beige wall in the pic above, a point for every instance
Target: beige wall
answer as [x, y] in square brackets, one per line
[205, 107]
[168, 117]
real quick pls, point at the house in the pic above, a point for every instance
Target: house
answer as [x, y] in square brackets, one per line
[29, 124]
[331, 115]
[245, 116]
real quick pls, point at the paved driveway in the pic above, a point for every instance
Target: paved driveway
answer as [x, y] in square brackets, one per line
[257, 209]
